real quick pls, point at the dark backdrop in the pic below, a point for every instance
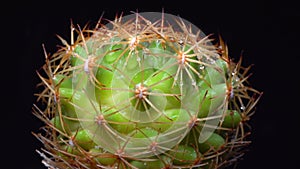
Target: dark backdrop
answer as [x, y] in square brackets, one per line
[265, 32]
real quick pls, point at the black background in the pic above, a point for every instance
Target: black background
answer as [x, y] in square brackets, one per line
[265, 32]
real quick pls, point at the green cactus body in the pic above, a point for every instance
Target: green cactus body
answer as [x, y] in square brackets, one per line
[141, 93]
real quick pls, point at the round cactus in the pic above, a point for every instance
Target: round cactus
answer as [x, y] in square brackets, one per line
[149, 90]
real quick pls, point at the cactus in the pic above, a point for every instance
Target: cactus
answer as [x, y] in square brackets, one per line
[148, 90]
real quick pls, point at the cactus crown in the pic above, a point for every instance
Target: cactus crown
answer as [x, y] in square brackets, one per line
[148, 90]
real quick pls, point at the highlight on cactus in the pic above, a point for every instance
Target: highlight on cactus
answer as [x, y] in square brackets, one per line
[147, 90]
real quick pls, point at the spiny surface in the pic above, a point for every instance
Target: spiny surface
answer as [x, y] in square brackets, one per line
[138, 93]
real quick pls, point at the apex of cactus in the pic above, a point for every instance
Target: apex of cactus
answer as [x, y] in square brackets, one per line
[148, 90]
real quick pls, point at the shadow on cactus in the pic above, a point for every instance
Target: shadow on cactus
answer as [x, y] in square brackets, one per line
[148, 90]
